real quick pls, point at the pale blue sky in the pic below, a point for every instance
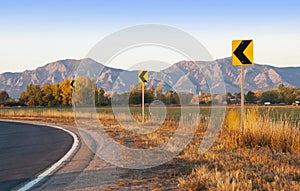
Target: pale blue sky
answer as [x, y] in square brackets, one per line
[33, 33]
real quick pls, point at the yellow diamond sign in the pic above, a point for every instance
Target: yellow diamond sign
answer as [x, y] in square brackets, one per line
[242, 52]
[143, 76]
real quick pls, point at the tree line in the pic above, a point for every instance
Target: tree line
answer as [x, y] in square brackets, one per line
[280, 95]
[287, 95]
[60, 94]
[134, 96]
[57, 94]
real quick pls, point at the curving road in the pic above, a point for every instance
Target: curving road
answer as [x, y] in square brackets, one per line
[26, 150]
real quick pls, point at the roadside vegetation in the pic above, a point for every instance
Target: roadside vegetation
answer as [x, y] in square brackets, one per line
[265, 157]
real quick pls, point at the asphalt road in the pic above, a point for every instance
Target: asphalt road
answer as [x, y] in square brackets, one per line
[27, 150]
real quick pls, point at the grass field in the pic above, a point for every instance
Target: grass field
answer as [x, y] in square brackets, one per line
[265, 157]
[287, 113]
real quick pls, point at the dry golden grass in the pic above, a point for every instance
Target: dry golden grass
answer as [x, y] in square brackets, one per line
[36, 113]
[243, 170]
[261, 131]
[265, 157]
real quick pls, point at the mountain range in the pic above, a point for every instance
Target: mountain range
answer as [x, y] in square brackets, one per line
[184, 76]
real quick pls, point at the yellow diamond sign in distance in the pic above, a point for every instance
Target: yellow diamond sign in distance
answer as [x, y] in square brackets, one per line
[242, 53]
[143, 76]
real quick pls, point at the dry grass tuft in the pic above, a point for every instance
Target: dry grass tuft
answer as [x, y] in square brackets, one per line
[261, 131]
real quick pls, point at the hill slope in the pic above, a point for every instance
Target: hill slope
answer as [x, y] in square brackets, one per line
[176, 76]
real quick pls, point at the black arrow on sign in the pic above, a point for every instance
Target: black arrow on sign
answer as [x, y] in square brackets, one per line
[142, 75]
[73, 83]
[239, 52]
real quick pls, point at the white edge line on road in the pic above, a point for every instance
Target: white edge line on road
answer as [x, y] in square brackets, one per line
[55, 165]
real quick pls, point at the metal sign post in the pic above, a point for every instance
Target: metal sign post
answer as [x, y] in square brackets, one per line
[242, 98]
[143, 102]
[143, 78]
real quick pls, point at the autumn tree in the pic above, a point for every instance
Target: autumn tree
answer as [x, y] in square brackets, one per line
[100, 98]
[171, 97]
[281, 89]
[151, 92]
[258, 94]
[159, 92]
[250, 97]
[270, 96]
[65, 91]
[23, 98]
[51, 94]
[33, 95]
[288, 94]
[228, 97]
[84, 91]
[3, 97]
[168, 96]
[135, 95]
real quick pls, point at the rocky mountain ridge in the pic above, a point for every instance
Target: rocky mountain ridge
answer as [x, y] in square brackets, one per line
[181, 76]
